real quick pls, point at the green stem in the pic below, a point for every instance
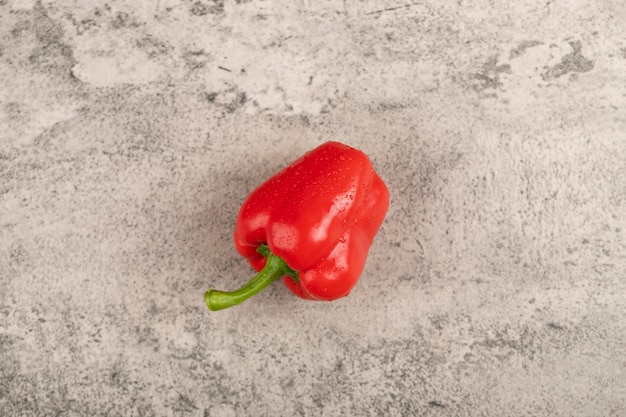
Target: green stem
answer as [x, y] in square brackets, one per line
[274, 268]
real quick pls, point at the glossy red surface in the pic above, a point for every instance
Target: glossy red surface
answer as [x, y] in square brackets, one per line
[320, 215]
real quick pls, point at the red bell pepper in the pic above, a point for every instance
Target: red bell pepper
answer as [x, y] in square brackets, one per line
[312, 224]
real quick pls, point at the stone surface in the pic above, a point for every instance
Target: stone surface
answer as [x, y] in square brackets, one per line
[131, 131]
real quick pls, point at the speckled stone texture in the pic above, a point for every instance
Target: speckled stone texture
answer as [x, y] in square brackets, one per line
[131, 131]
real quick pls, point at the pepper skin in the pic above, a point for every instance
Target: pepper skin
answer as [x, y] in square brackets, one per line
[311, 223]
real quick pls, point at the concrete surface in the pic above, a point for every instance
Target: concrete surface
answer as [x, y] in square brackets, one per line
[131, 131]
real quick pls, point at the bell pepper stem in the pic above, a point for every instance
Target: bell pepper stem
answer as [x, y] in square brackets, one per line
[274, 269]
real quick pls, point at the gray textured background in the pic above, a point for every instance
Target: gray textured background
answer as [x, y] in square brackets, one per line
[131, 131]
